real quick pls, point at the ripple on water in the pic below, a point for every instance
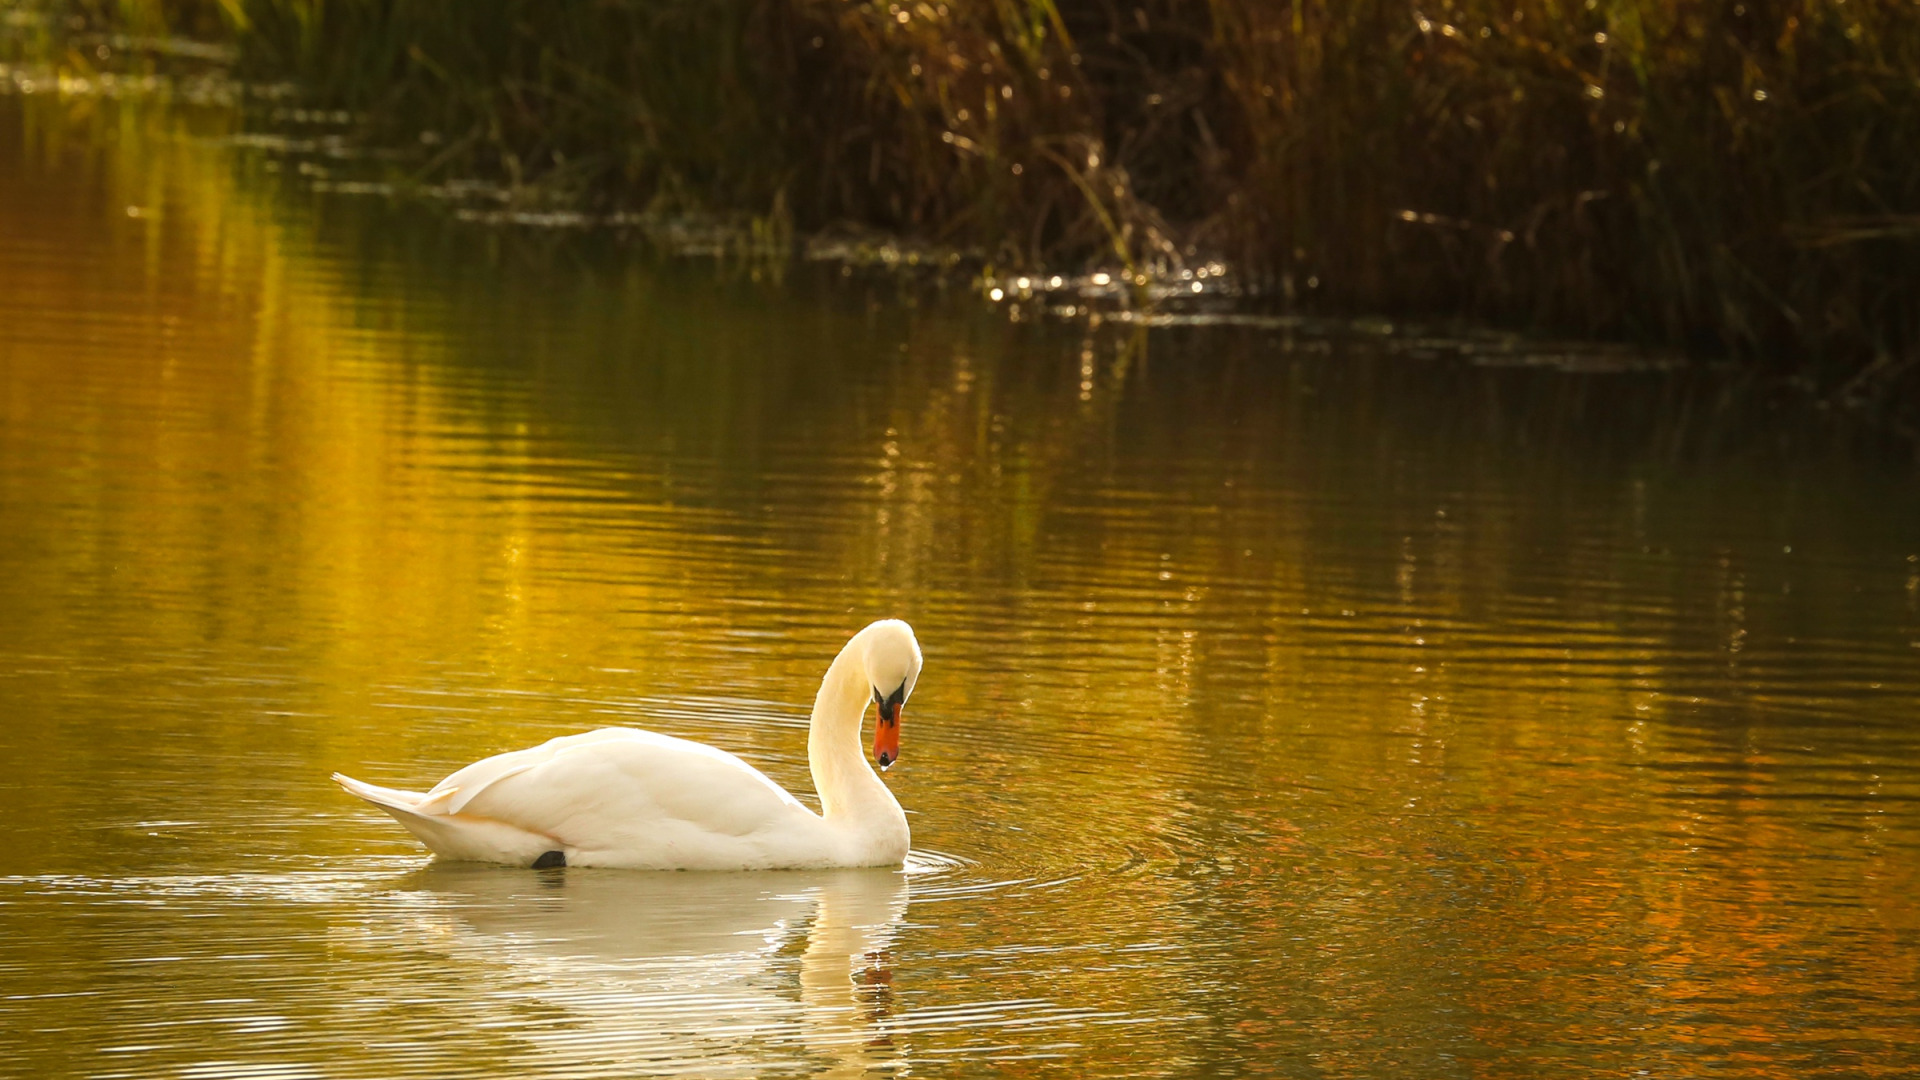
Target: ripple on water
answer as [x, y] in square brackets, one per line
[592, 971]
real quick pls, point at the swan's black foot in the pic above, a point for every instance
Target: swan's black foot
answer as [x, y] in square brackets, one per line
[549, 860]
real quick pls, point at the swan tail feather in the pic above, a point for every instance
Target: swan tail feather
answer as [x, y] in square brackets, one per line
[461, 837]
[384, 797]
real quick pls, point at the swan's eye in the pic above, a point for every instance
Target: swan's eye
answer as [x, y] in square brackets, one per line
[877, 698]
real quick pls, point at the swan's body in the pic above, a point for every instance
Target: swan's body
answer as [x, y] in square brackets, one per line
[620, 797]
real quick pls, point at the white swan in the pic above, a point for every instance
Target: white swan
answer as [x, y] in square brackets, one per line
[636, 799]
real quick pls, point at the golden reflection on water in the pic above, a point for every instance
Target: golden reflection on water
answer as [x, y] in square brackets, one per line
[1290, 707]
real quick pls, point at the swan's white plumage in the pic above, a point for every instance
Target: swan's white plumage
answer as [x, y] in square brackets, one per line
[621, 797]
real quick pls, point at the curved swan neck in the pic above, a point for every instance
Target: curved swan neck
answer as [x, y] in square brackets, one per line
[848, 786]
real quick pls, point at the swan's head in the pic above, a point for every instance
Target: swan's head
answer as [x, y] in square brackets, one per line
[893, 665]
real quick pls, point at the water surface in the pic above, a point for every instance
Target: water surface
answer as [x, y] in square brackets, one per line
[1295, 704]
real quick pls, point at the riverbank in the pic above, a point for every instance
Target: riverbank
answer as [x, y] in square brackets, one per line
[1730, 182]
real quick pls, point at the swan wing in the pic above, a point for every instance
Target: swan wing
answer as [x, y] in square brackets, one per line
[630, 797]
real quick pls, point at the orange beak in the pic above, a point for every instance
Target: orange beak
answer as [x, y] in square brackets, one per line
[886, 734]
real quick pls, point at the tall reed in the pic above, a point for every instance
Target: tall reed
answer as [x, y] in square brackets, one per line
[1733, 176]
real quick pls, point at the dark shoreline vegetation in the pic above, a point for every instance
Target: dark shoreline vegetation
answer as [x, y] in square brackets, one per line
[1729, 179]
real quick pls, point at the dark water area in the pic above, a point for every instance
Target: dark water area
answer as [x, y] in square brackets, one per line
[1296, 704]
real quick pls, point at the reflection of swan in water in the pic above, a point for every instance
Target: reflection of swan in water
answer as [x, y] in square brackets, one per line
[697, 967]
[846, 978]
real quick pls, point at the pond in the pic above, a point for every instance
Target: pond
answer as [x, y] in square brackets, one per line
[1296, 703]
